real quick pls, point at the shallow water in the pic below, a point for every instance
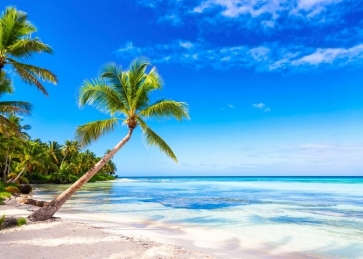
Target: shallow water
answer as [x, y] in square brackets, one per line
[315, 215]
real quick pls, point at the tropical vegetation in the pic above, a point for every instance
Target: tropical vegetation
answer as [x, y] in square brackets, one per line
[33, 161]
[122, 94]
[125, 94]
[17, 44]
[23, 160]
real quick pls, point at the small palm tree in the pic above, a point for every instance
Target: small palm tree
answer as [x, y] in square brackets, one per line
[125, 93]
[54, 151]
[32, 157]
[9, 147]
[16, 43]
[70, 148]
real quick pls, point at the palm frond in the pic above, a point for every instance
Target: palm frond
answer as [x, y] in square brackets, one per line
[101, 96]
[42, 73]
[7, 127]
[150, 82]
[116, 78]
[136, 73]
[24, 48]
[14, 25]
[11, 107]
[86, 133]
[29, 78]
[5, 84]
[166, 108]
[153, 139]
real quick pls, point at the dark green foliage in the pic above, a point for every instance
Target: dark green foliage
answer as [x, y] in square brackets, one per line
[55, 163]
[20, 221]
[102, 177]
[2, 219]
[38, 178]
[4, 194]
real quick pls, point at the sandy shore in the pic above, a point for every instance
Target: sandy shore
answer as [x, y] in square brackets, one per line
[80, 235]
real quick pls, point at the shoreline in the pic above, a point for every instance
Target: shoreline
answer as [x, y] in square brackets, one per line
[122, 237]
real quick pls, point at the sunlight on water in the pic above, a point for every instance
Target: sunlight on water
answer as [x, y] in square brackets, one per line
[307, 214]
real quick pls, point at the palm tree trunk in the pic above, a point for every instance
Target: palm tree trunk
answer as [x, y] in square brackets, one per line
[9, 167]
[5, 167]
[49, 210]
[63, 160]
[17, 177]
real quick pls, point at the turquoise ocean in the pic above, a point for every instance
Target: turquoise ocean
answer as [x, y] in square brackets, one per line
[322, 216]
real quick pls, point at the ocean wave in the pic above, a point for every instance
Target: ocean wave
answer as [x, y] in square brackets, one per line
[127, 180]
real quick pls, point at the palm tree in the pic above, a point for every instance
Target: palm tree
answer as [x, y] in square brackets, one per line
[8, 108]
[12, 140]
[9, 147]
[70, 148]
[54, 151]
[32, 157]
[125, 93]
[16, 43]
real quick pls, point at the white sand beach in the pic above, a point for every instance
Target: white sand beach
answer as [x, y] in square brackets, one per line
[80, 235]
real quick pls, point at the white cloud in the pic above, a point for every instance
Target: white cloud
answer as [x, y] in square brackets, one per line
[330, 55]
[186, 44]
[229, 106]
[274, 35]
[255, 8]
[260, 53]
[311, 4]
[272, 57]
[259, 105]
[262, 106]
[172, 19]
[235, 8]
[128, 50]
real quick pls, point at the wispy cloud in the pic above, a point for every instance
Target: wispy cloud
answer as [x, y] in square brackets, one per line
[262, 58]
[283, 36]
[229, 106]
[262, 106]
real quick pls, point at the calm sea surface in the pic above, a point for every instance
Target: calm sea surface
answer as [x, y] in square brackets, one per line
[317, 215]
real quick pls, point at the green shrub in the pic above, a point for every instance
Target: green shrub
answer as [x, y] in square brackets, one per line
[2, 219]
[23, 179]
[5, 195]
[20, 221]
[12, 189]
[101, 177]
[39, 178]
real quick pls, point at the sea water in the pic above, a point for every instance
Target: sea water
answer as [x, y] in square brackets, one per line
[322, 216]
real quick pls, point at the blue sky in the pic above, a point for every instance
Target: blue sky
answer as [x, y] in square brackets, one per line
[273, 87]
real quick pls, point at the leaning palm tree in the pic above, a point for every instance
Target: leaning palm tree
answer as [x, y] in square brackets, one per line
[16, 43]
[125, 93]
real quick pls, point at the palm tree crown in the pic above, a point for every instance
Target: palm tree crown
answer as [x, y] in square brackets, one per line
[126, 93]
[16, 43]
